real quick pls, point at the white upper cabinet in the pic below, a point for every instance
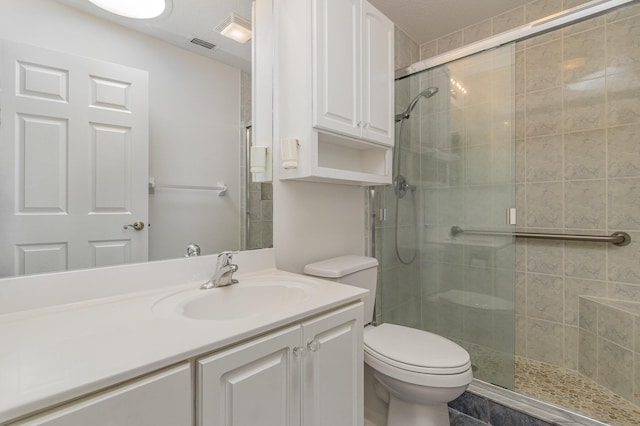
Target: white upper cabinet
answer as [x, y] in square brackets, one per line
[353, 70]
[333, 92]
[336, 77]
[377, 76]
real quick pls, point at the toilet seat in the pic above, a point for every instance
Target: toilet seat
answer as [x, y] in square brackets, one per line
[414, 350]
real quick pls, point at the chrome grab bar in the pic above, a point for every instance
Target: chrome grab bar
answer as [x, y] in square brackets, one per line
[618, 238]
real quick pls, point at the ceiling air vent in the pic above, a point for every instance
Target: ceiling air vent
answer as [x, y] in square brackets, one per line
[203, 43]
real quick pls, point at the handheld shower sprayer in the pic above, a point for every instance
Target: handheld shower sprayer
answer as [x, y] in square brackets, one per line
[427, 93]
[400, 183]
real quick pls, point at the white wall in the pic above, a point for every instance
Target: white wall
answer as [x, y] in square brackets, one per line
[194, 115]
[316, 221]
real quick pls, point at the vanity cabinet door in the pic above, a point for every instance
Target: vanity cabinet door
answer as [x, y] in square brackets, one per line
[333, 369]
[163, 399]
[309, 374]
[256, 383]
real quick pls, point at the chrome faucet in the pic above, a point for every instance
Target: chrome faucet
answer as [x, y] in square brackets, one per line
[224, 272]
[192, 250]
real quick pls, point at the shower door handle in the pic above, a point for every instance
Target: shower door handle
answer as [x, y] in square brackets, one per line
[511, 216]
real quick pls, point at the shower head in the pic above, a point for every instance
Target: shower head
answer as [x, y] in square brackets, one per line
[427, 93]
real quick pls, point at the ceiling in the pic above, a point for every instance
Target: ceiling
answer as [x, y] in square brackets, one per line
[188, 19]
[427, 20]
[422, 20]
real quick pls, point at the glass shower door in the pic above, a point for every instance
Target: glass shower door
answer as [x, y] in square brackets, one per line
[457, 147]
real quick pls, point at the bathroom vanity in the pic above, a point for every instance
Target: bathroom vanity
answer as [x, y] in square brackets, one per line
[142, 344]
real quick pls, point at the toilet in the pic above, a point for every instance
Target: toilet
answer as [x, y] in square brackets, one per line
[419, 371]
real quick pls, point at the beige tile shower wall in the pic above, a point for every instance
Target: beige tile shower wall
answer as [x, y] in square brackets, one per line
[259, 205]
[260, 211]
[609, 344]
[508, 20]
[407, 51]
[578, 157]
[398, 296]
[577, 167]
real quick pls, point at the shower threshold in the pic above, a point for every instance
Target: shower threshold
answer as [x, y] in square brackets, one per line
[532, 407]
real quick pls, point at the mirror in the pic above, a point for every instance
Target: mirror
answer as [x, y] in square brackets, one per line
[199, 113]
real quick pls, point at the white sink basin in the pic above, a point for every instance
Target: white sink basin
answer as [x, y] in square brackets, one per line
[246, 299]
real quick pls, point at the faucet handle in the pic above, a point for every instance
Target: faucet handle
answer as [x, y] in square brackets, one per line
[224, 258]
[192, 250]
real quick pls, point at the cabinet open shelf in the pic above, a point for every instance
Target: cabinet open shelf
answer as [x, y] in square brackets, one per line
[338, 159]
[344, 154]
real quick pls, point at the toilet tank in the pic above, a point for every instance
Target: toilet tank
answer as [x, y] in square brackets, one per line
[359, 271]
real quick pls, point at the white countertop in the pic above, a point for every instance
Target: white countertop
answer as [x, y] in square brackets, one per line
[52, 354]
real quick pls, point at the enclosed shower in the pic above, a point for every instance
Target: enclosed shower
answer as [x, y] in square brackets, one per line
[538, 136]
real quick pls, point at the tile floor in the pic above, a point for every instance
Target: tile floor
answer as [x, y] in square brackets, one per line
[571, 390]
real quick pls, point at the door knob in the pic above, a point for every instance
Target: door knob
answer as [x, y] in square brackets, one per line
[138, 225]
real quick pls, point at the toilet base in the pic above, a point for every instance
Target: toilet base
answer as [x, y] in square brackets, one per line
[403, 413]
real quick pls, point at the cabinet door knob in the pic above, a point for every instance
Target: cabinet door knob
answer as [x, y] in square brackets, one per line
[299, 351]
[314, 345]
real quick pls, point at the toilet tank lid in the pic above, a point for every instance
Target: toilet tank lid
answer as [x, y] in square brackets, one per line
[340, 266]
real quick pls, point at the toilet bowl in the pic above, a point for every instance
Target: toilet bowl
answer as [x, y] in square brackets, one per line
[421, 371]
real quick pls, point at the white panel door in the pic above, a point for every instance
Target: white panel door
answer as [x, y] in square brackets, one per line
[257, 383]
[164, 399]
[333, 370]
[336, 56]
[73, 161]
[378, 76]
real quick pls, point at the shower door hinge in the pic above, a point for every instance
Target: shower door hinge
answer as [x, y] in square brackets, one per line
[383, 214]
[511, 216]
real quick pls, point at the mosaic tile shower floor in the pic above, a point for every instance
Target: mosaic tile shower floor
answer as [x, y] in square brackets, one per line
[570, 389]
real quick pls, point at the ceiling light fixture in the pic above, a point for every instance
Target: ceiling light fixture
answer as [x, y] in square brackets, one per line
[140, 9]
[236, 28]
